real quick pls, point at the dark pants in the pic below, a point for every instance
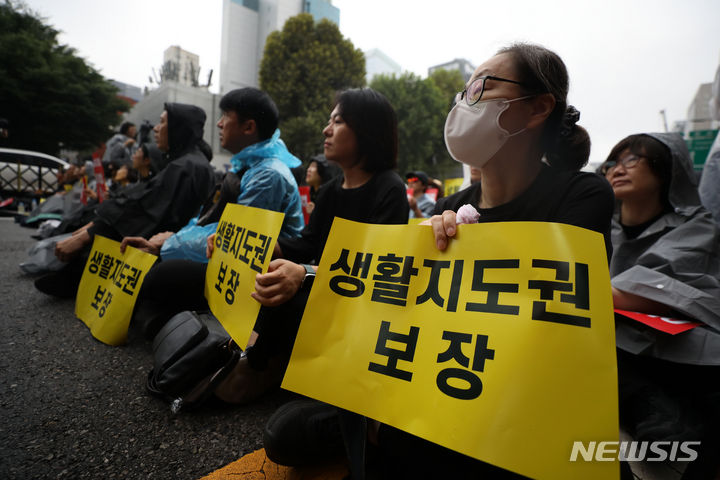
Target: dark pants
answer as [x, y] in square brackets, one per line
[173, 286]
[170, 287]
[661, 400]
[277, 328]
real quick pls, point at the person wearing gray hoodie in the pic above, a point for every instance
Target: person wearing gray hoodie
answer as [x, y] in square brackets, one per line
[666, 262]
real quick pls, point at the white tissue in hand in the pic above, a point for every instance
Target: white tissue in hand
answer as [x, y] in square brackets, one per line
[467, 214]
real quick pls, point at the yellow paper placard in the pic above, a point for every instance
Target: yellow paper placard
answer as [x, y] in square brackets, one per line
[501, 347]
[244, 244]
[108, 289]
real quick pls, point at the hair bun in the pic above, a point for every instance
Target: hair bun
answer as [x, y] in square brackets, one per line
[569, 119]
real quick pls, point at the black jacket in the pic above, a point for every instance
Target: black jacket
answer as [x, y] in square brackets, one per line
[171, 198]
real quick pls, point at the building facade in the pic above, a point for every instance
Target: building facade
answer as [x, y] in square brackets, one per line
[153, 104]
[180, 66]
[246, 25]
[377, 63]
[465, 68]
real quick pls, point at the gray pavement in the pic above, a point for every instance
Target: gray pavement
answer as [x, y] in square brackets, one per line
[72, 407]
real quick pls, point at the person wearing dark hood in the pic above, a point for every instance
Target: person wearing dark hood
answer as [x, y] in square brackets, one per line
[165, 202]
[259, 177]
[666, 261]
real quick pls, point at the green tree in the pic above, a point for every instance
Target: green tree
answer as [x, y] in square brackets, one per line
[302, 67]
[50, 96]
[421, 109]
[449, 83]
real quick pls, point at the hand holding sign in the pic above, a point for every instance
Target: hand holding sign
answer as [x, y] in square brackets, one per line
[504, 353]
[282, 281]
[109, 287]
[239, 250]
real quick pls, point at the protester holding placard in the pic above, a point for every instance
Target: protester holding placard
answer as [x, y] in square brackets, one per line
[513, 113]
[165, 202]
[666, 261]
[361, 138]
[259, 177]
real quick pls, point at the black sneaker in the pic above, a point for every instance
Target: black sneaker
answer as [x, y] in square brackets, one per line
[303, 432]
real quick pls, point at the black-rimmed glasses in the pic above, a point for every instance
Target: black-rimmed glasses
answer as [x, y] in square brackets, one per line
[474, 92]
[630, 161]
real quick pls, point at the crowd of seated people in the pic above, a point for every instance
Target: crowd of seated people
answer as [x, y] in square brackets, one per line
[513, 125]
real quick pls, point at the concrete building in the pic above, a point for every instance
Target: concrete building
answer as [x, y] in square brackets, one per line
[377, 63]
[246, 25]
[180, 66]
[151, 107]
[460, 64]
[699, 116]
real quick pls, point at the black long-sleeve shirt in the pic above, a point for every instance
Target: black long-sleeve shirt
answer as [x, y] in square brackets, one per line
[382, 200]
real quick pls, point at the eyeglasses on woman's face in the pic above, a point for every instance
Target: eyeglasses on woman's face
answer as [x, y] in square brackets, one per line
[628, 162]
[474, 92]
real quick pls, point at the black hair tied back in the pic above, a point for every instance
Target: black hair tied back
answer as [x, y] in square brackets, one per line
[571, 148]
[570, 118]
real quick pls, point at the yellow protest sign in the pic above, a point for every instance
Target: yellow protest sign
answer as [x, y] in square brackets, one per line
[452, 185]
[501, 347]
[244, 244]
[109, 287]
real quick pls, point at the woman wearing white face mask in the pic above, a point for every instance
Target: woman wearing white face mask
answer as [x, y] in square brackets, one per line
[514, 124]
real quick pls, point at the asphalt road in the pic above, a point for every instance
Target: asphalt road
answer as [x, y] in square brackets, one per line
[72, 407]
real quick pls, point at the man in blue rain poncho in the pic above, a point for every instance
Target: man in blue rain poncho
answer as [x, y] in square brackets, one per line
[259, 177]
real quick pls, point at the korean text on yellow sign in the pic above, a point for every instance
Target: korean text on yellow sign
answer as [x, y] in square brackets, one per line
[109, 287]
[244, 243]
[502, 347]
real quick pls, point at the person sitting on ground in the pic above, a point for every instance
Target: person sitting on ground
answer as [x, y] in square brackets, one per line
[124, 176]
[421, 204]
[361, 138]
[512, 113]
[666, 262]
[166, 202]
[147, 161]
[260, 177]
[318, 172]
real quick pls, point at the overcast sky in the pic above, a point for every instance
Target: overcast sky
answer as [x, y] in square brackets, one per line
[627, 59]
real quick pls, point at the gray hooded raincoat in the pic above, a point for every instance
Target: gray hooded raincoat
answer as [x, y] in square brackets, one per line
[675, 261]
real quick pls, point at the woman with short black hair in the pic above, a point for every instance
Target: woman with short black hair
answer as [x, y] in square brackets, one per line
[361, 138]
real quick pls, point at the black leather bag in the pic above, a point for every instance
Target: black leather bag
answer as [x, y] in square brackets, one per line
[192, 354]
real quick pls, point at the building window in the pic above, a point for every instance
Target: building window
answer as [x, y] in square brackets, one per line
[252, 4]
